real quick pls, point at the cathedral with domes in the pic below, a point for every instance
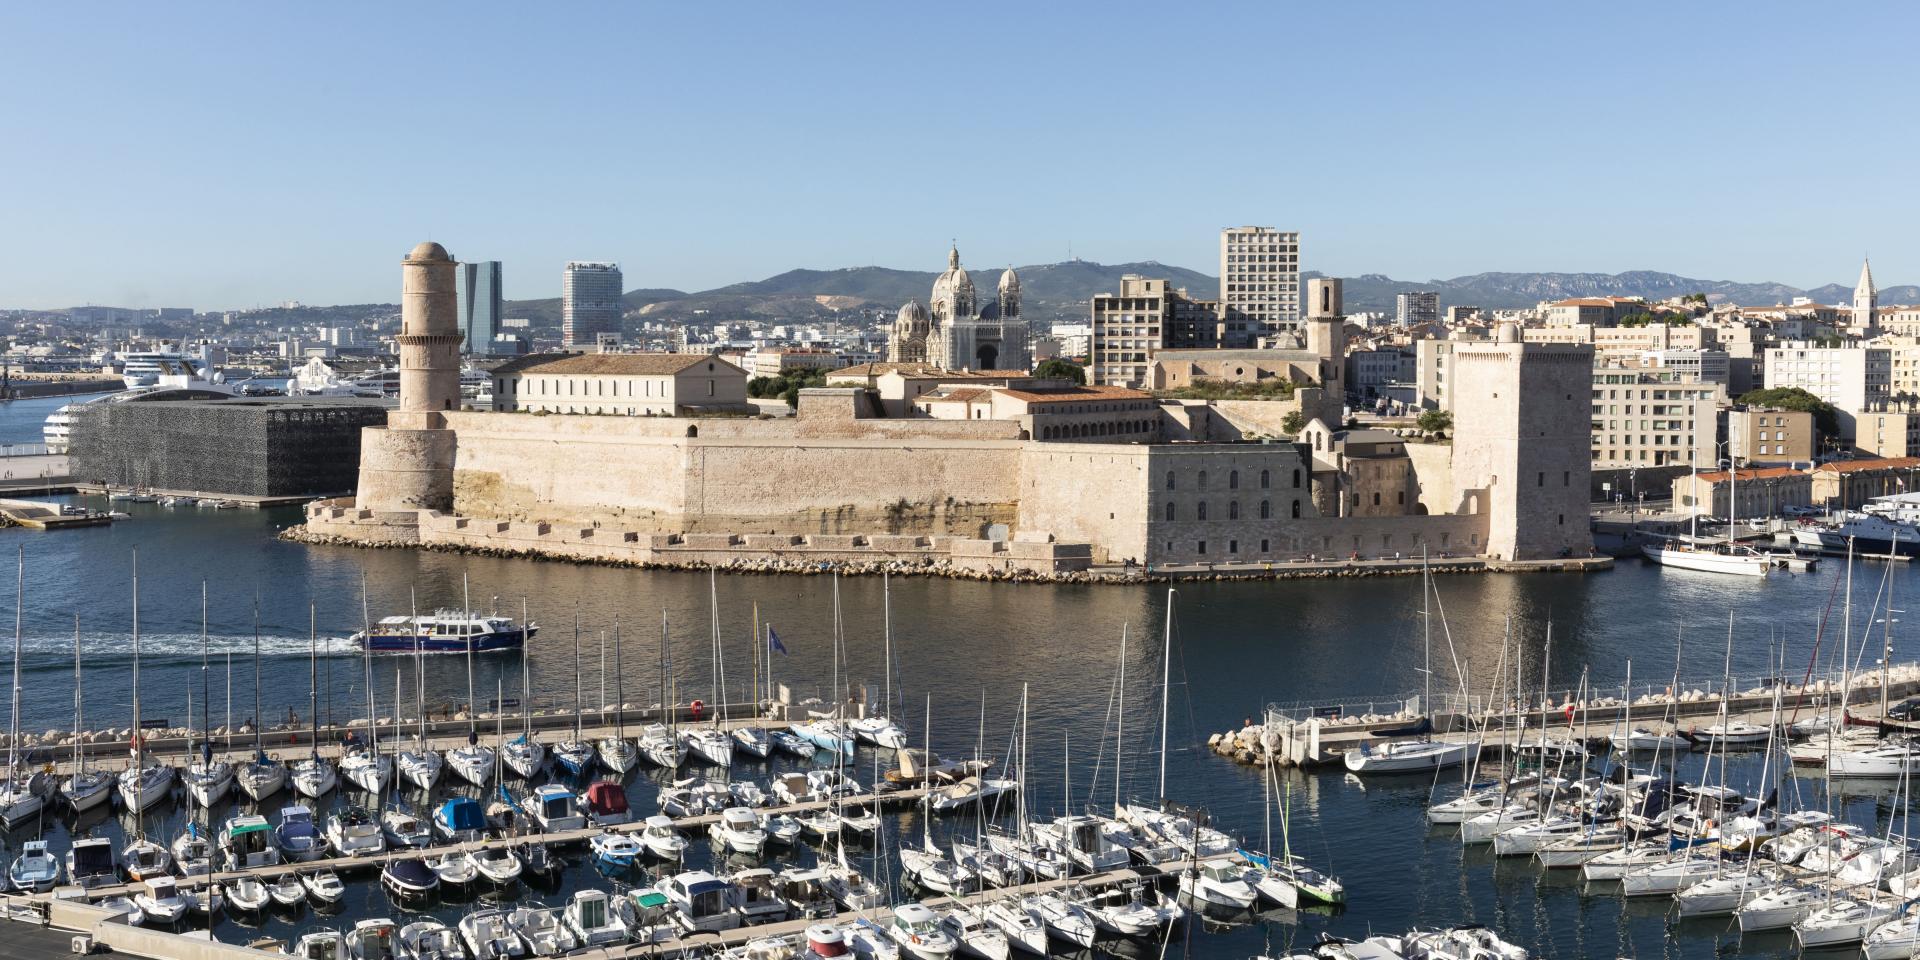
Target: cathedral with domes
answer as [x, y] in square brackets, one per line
[956, 331]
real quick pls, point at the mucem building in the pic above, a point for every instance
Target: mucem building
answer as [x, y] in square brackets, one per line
[251, 447]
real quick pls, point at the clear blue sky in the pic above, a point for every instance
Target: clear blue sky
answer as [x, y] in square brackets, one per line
[226, 155]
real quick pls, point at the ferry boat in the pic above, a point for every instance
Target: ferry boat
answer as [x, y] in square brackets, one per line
[445, 631]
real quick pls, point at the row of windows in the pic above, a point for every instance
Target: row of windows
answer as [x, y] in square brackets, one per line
[1233, 480]
[1074, 431]
[1326, 543]
[1233, 509]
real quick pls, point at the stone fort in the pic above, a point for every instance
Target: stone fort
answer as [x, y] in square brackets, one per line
[842, 480]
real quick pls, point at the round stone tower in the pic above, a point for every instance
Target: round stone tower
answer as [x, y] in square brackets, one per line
[407, 465]
[429, 335]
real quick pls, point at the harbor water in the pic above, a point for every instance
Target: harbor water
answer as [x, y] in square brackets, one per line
[970, 649]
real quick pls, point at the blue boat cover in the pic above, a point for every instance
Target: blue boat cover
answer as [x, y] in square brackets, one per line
[463, 813]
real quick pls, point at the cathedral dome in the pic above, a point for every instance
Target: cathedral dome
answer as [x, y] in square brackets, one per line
[911, 314]
[1009, 282]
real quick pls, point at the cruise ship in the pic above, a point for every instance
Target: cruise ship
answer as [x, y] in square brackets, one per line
[58, 429]
[446, 631]
[148, 368]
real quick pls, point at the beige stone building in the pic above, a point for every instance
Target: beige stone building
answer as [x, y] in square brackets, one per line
[1849, 484]
[1055, 411]
[623, 384]
[1649, 418]
[1762, 492]
[1855, 379]
[1887, 433]
[1361, 473]
[1763, 435]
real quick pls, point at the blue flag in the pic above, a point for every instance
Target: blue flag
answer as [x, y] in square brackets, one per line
[773, 640]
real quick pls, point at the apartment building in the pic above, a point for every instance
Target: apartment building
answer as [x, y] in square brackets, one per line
[1653, 418]
[1143, 318]
[1259, 281]
[1855, 379]
[1763, 435]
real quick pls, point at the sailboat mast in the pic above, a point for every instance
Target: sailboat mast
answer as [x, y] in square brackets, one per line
[886, 647]
[1166, 683]
[1119, 722]
[1426, 632]
[576, 676]
[526, 683]
[313, 680]
[139, 748]
[79, 755]
[366, 662]
[206, 687]
[619, 687]
[19, 625]
[259, 749]
[468, 637]
[419, 670]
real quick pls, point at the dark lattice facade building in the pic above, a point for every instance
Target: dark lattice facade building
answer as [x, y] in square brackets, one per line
[253, 447]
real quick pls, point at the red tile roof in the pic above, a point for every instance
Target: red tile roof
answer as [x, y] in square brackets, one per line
[1858, 466]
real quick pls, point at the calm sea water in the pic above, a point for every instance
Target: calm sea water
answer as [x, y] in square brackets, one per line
[1235, 648]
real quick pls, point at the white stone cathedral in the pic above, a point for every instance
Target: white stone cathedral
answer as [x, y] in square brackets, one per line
[957, 332]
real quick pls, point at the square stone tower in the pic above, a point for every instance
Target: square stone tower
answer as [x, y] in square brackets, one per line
[1520, 445]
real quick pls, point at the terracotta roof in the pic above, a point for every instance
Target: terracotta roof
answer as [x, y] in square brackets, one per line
[1584, 302]
[961, 395]
[877, 368]
[1858, 466]
[1077, 394]
[1756, 473]
[613, 364]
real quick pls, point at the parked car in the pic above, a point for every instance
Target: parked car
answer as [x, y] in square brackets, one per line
[1906, 711]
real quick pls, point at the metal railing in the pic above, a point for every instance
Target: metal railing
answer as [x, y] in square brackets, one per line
[23, 450]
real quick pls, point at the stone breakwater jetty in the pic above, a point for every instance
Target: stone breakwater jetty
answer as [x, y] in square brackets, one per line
[745, 561]
[1320, 734]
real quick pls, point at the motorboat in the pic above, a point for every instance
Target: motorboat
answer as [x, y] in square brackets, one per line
[554, 808]
[662, 839]
[298, 837]
[1472, 942]
[324, 886]
[455, 868]
[1220, 882]
[1084, 840]
[606, 804]
[694, 796]
[660, 747]
[445, 631]
[647, 916]
[410, 879]
[590, 915]
[994, 868]
[977, 938]
[782, 829]
[248, 893]
[700, 901]
[850, 888]
[287, 890]
[159, 898]
[35, 870]
[1064, 919]
[969, 791]
[354, 832]
[404, 830]
[739, 831]
[753, 741]
[917, 930]
[1126, 909]
[499, 865]
[460, 820]
[746, 793]
[429, 939]
[869, 941]
[488, 936]
[615, 851]
[90, 862]
[757, 896]
[372, 939]
[879, 731]
[932, 869]
[320, 943]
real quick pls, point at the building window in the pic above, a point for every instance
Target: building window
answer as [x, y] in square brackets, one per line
[1203, 479]
[1401, 498]
[1233, 480]
[1296, 509]
[1263, 546]
[1169, 512]
[1376, 499]
[1169, 479]
[1201, 510]
[1233, 509]
[1566, 478]
[1543, 478]
[1266, 510]
[1203, 547]
[1233, 546]
[1296, 478]
[1263, 480]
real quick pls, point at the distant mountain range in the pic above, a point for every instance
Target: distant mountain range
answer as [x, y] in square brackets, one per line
[1056, 289]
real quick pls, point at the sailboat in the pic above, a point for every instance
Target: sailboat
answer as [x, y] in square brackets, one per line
[712, 744]
[209, 780]
[86, 789]
[25, 792]
[420, 766]
[616, 752]
[1413, 756]
[1285, 880]
[364, 765]
[876, 728]
[314, 776]
[262, 776]
[660, 743]
[402, 828]
[474, 761]
[525, 755]
[1725, 556]
[575, 754]
[929, 865]
[827, 731]
[752, 738]
[1185, 833]
[142, 784]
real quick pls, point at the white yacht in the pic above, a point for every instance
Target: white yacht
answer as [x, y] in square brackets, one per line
[1709, 558]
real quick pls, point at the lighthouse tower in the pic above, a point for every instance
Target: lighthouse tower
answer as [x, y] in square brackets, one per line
[407, 465]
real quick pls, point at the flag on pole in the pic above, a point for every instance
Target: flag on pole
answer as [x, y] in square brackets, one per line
[773, 641]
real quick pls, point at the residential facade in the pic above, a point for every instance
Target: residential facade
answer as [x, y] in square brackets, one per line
[1760, 435]
[1259, 281]
[1647, 418]
[1887, 434]
[1418, 307]
[1856, 379]
[1146, 316]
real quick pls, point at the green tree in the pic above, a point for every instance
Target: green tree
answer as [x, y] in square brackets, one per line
[1699, 298]
[1058, 369]
[1794, 398]
[1293, 423]
[1435, 421]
